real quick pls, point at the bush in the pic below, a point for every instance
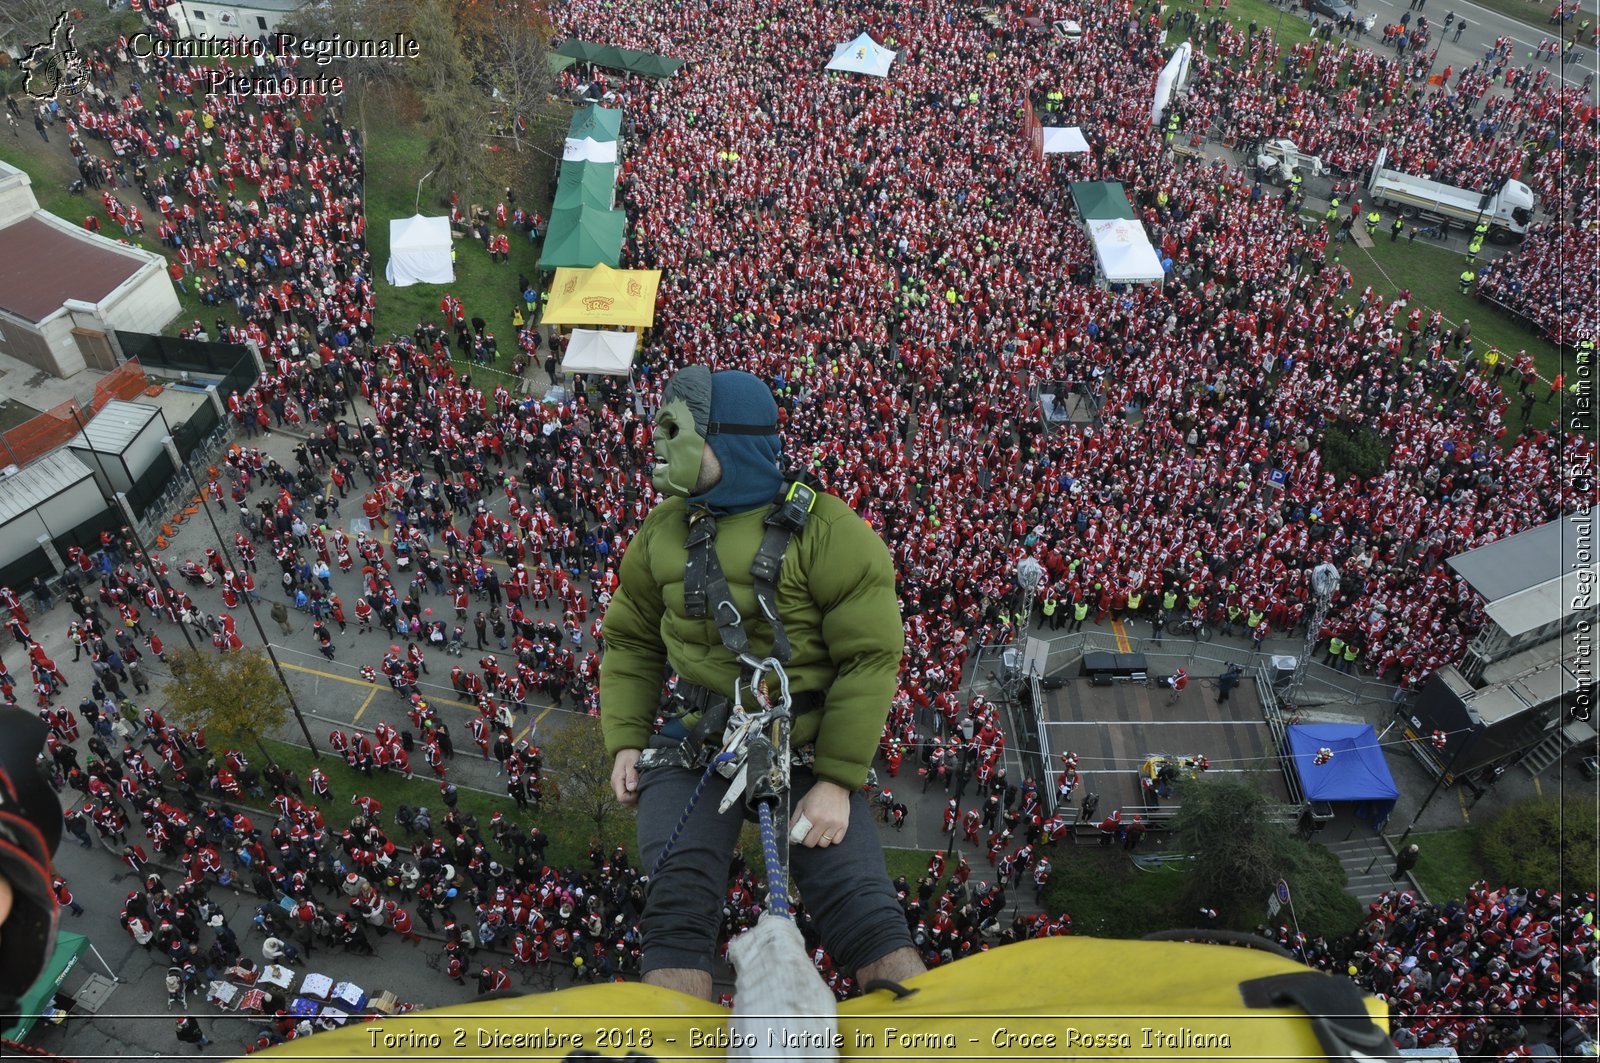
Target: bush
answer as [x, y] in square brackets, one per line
[1354, 451]
[1541, 843]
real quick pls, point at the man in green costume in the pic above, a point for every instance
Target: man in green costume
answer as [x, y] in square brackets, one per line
[840, 634]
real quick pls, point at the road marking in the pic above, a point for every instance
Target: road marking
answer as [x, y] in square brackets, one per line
[357, 717]
[429, 698]
[1122, 637]
[1462, 794]
[1538, 787]
[326, 675]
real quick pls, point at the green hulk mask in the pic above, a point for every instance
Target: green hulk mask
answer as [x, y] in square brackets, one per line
[679, 448]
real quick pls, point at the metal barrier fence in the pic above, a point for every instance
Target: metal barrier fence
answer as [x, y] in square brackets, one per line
[1000, 678]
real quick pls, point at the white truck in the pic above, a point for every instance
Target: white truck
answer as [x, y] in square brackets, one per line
[1508, 209]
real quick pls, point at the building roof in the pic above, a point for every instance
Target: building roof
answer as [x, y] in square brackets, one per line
[44, 265]
[1529, 558]
[115, 427]
[28, 489]
[1531, 609]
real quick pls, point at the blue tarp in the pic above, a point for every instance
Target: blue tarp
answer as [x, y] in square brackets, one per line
[1357, 772]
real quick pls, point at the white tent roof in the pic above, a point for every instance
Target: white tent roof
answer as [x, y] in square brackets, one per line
[1172, 79]
[1124, 253]
[419, 251]
[862, 56]
[1063, 140]
[600, 351]
[589, 150]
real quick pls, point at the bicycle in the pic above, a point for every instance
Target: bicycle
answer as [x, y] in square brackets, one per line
[1189, 625]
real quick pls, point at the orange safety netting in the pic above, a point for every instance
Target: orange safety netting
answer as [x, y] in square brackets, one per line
[38, 436]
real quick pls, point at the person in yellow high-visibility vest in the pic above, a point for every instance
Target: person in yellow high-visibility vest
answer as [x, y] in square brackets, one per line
[1080, 612]
[1335, 651]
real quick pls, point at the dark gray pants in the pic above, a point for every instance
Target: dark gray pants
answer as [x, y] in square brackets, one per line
[845, 887]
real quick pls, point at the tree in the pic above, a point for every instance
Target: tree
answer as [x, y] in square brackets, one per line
[575, 757]
[28, 22]
[1240, 853]
[235, 697]
[513, 57]
[1541, 843]
[1354, 450]
[355, 19]
[455, 112]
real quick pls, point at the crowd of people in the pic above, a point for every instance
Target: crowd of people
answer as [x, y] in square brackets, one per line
[1489, 975]
[895, 261]
[1540, 281]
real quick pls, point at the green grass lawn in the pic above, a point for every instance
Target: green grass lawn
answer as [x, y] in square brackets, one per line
[1432, 272]
[1110, 898]
[1291, 27]
[1447, 864]
[396, 161]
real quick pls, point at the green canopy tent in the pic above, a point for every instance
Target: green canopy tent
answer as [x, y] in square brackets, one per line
[603, 124]
[613, 58]
[583, 237]
[1100, 200]
[31, 1007]
[581, 51]
[586, 184]
[558, 62]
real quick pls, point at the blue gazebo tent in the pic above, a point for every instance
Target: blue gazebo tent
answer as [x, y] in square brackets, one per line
[1357, 771]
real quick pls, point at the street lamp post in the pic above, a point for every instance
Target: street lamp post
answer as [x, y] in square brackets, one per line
[250, 607]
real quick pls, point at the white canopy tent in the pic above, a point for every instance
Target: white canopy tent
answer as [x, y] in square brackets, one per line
[589, 150]
[600, 351]
[1064, 140]
[419, 251]
[1174, 77]
[1123, 252]
[862, 56]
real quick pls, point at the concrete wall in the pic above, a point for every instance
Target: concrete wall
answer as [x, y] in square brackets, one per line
[76, 503]
[50, 349]
[16, 194]
[146, 302]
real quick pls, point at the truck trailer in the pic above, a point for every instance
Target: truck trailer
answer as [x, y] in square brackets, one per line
[1467, 734]
[1507, 209]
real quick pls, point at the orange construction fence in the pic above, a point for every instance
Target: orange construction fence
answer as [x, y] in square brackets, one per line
[38, 436]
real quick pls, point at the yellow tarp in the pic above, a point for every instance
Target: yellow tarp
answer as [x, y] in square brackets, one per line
[1053, 999]
[603, 296]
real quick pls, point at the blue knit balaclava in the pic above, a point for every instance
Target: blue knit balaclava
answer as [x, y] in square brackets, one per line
[740, 424]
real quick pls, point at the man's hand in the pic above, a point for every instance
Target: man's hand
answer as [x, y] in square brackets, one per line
[825, 813]
[625, 776]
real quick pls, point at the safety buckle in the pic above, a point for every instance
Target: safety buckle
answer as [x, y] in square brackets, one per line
[750, 759]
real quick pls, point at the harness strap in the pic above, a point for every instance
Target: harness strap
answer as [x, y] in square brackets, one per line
[705, 587]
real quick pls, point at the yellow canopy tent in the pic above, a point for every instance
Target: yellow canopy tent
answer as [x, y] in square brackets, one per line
[603, 296]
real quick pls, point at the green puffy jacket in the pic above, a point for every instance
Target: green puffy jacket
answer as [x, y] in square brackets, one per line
[836, 596]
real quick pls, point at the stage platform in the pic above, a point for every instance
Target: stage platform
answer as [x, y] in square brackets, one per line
[1113, 729]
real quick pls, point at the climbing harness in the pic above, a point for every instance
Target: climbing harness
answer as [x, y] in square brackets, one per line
[754, 754]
